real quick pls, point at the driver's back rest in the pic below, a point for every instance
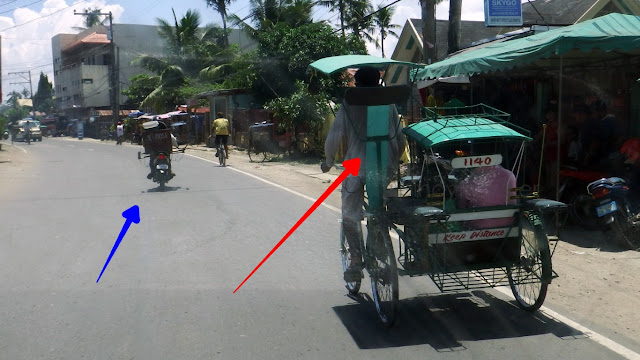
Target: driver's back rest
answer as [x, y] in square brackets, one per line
[378, 101]
[379, 95]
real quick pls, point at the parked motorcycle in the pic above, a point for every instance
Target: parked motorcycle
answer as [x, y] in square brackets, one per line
[573, 192]
[614, 205]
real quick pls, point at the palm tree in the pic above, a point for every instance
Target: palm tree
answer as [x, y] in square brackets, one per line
[265, 14]
[382, 19]
[360, 20]
[337, 5]
[221, 7]
[91, 20]
[192, 52]
[455, 10]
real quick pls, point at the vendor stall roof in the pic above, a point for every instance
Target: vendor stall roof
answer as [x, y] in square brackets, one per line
[607, 33]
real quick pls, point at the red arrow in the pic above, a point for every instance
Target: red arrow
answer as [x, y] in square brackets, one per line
[350, 167]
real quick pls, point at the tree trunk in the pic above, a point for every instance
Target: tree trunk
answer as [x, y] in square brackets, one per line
[455, 10]
[342, 10]
[382, 44]
[224, 28]
[428, 31]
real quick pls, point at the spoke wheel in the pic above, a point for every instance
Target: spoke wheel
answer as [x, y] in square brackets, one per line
[530, 275]
[222, 156]
[626, 232]
[383, 271]
[352, 286]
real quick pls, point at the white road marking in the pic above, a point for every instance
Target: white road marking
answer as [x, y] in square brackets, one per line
[272, 183]
[598, 338]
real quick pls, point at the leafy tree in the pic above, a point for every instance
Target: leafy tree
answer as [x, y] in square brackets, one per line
[13, 98]
[382, 20]
[284, 54]
[221, 7]
[301, 109]
[43, 99]
[141, 86]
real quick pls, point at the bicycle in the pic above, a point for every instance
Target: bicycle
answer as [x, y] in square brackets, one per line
[222, 155]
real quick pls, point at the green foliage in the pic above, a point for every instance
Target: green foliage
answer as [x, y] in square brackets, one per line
[300, 109]
[141, 86]
[43, 99]
[285, 54]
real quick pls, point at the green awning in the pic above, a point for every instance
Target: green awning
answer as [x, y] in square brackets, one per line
[433, 132]
[333, 64]
[607, 33]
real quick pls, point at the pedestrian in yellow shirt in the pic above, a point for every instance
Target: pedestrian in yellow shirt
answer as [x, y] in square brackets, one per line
[220, 127]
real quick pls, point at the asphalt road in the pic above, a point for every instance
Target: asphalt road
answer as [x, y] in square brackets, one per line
[168, 291]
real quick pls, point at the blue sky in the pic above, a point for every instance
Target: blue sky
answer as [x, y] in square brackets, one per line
[26, 26]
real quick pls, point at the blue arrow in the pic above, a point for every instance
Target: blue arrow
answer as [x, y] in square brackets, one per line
[132, 214]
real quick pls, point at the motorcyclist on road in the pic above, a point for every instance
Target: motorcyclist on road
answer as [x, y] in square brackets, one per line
[153, 126]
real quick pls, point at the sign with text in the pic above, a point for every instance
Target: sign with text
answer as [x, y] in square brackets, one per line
[476, 161]
[502, 13]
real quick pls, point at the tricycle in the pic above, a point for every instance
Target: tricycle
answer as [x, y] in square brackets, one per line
[462, 214]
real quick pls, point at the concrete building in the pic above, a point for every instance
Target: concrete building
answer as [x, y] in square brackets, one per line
[81, 64]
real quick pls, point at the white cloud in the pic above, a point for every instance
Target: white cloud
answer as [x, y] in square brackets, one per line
[26, 38]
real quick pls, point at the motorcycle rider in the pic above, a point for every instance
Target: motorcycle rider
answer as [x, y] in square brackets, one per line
[153, 126]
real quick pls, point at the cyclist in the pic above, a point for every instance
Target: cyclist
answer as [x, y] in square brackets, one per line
[350, 124]
[220, 127]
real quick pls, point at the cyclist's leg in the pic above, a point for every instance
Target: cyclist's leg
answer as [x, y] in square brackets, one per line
[217, 142]
[352, 213]
[225, 139]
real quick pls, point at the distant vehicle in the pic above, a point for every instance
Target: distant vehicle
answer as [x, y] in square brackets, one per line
[34, 127]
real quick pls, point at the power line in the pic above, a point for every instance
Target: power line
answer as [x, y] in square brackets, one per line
[43, 16]
[19, 7]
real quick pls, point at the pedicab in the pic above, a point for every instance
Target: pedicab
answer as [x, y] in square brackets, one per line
[458, 220]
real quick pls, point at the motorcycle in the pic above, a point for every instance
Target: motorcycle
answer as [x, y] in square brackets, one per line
[5, 135]
[573, 191]
[161, 168]
[613, 204]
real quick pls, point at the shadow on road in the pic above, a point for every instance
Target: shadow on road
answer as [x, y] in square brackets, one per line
[602, 240]
[445, 321]
[166, 189]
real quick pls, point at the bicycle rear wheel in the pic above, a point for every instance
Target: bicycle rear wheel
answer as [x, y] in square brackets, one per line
[383, 271]
[530, 276]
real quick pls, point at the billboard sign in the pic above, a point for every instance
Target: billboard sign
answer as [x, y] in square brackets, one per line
[502, 13]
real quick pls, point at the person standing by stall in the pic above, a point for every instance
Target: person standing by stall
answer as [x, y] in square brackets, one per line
[119, 133]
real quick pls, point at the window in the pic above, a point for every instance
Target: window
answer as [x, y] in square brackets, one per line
[64, 88]
[410, 43]
[87, 81]
[106, 59]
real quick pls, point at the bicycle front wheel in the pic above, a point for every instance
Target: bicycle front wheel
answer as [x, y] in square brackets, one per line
[383, 271]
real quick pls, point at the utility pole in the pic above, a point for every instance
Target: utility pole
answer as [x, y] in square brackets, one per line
[114, 93]
[28, 81]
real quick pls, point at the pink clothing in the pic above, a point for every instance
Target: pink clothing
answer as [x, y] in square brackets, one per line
[487, 186]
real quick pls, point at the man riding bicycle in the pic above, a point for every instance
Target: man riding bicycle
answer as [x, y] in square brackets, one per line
[220, 127]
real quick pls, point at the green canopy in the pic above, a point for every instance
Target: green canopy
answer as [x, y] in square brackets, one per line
[607, 33]
[433, 132]
[333, 64]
